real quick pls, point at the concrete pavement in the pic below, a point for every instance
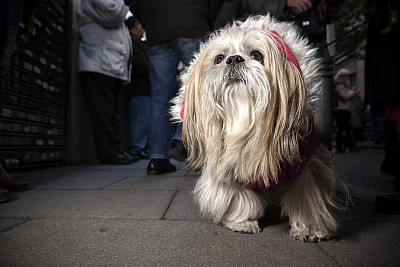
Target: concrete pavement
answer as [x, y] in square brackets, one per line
[104, 215]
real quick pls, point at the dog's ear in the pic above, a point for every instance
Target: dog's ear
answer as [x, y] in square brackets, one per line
[294, 119]
[287, 121]
[194, 124]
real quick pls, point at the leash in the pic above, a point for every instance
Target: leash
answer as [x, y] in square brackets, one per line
[343, 35]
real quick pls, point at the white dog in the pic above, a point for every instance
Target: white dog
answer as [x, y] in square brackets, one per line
[247, 103]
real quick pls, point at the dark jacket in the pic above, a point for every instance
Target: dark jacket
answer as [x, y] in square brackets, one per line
[140, 77]
[260, 7]
[231, 10]
[168, 20]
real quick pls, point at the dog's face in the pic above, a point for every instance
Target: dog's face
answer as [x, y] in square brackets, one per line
[246, 90]
[239, 58]
[248, 75]
[236, 59]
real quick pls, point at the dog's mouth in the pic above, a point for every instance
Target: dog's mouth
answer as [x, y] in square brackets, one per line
[234, 75]
[232, 79]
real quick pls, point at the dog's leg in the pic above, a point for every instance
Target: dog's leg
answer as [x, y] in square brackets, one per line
[235, 206]
[246, 207]
[308, 201]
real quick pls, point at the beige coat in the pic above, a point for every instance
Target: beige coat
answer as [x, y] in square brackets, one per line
[345, 95]
[105, 45]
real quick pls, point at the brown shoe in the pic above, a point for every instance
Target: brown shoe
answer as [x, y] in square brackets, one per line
[3, 195]
[11, 184]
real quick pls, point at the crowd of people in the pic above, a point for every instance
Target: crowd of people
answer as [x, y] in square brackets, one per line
[128, 83]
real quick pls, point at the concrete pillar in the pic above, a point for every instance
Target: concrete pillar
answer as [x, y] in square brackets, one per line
[322, 118]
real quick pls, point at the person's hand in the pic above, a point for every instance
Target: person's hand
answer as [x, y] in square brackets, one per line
[356, 90]
[301, 5]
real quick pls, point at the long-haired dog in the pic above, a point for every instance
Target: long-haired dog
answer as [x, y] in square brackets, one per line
[247, 104]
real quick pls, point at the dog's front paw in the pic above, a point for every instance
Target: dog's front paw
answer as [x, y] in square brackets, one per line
[306, 235]
[249, 227]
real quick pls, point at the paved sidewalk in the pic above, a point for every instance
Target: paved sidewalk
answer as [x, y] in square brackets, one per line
[361, 172]
[104, 215]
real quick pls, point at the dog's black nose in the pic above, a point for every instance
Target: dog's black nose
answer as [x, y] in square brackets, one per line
[234, 59]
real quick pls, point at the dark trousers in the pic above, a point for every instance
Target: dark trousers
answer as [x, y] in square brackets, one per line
[344, 131]
[10, 16]
[392, 151]
[103, 96]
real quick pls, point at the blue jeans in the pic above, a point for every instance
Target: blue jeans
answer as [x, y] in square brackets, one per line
[10, 16]
[178, 132]
[164, 59]
[135, 116]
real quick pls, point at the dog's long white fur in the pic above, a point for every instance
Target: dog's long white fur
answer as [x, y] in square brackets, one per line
[239, 133]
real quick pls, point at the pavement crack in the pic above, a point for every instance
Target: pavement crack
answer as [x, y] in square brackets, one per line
[15, 225]
[114, 182]
[332, 257]
[169, 205]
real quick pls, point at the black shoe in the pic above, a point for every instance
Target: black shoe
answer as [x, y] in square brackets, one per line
[160, 166]
[178, 151]
[119, 159]
[131, 157]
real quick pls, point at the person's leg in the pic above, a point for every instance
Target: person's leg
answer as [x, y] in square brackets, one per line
[116, 122]
[178, 132]
[100, 99]
[338, 114]
[11, 12]
[187, 48]
[139, 112]
[391, 162]
[391, 203]
[348, 131]
[125, 122]
[163, 63]
[10, 16]
[178, 151]
[388, 166]
[396, 181]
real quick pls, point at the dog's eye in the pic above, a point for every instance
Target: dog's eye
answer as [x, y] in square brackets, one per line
[255, 55]
[218, 59]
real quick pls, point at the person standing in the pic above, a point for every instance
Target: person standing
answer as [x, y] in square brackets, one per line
[342, 112]
[174, 31]
[136, 94]
[357, 118]
[103, 66]
[11, 12]
[382, 87]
